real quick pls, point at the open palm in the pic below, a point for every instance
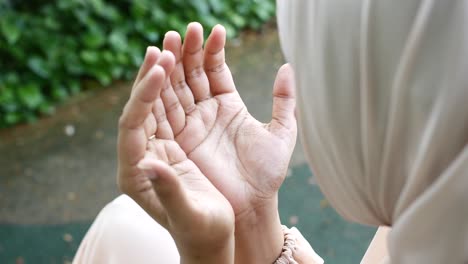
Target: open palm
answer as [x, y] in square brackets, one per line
[245, 159]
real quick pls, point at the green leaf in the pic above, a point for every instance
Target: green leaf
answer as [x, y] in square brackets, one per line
[108, 56]
[122, 58]
[38, 66]
[135, 54]
[59, 92]
[10, 29]
[83, 16]
[117, 71]
[175, 23]
[51, 23]
[158, 15]
[6, 96]
[97, 5]
[104, 78]
[230, 31]
[237, 20]
[263, 13]
[202, 7]
[118, 40]
[74, 86]
[73, 65]
[12, 78]
[139, 8]
[89, 56]
[30, 95]
[217, 6]
[7, 99]
[209, 21]
[152, 36]
[94, 39]
[12, 118]
[46, 108]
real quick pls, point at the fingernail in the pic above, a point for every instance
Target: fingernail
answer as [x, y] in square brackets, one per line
[147, 51]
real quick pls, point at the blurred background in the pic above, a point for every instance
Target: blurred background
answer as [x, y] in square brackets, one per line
[65, 73]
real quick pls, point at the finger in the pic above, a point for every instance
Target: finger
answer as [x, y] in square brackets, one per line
[218, 72]
[141, 100]
[164, 130]
[148, 89]
[133, 135]
[192, 57]
[140, 188]
[284, 99]
[167, 62]
[174, 111]
[173, 43]
[151, 57]
[157, 123]
[175, 114]
[168, 187]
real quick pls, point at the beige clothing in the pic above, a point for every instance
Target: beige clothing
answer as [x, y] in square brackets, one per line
[383, 114]
[124, 233]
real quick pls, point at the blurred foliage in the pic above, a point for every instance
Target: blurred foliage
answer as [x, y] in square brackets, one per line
[50, 49]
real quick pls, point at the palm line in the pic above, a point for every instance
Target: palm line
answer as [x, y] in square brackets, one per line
[210, 130]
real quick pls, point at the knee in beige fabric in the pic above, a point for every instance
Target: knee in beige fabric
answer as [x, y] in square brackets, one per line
[124, 233]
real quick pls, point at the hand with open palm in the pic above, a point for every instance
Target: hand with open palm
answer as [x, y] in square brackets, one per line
[156, 172]
[245, 159]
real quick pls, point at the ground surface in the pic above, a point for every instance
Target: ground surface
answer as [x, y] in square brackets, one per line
[56, 174]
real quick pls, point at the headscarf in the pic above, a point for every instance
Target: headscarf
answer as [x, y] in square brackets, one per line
[383, 114]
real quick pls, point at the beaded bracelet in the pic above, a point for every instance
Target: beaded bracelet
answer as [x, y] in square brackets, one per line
[288, 249]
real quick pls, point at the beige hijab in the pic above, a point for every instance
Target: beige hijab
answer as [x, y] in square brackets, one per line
[383, 113]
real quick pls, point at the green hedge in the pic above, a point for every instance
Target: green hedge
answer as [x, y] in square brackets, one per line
[50, 50]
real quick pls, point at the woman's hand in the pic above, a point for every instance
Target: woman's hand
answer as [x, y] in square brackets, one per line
[155, 171]
[245, 159]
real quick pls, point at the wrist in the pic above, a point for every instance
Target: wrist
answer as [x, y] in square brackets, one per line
[219, 254]
[259, 235]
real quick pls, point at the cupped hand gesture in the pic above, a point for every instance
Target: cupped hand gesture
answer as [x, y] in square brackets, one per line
[245, 159]
[155, 171]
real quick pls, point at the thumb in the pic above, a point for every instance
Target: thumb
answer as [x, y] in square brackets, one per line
[284, 98]
[167, 186]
